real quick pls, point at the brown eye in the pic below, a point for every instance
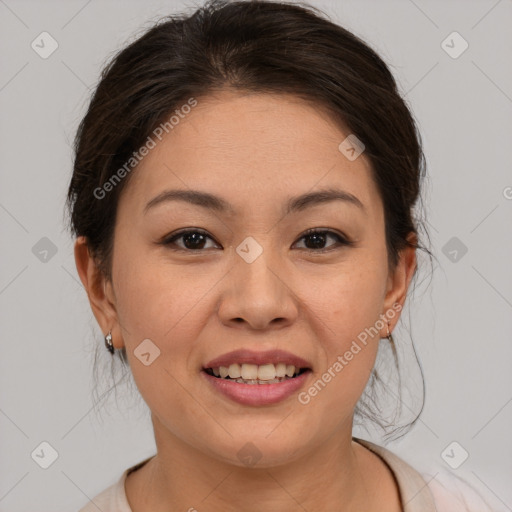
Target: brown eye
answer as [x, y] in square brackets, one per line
[192, 240]
[317, 238]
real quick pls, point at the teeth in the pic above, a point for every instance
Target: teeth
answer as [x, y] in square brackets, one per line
[249, 371]
[254, 374]
[256, 381]
[235, 371]
[266, 372]
[280, 370]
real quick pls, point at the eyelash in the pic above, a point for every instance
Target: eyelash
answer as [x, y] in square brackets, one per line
[342, 240]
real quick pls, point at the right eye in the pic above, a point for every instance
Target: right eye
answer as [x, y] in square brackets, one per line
[194, 238]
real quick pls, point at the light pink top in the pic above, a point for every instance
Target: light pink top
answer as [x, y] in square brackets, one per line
[441, 491]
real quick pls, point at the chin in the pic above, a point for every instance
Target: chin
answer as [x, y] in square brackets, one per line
[259, 450]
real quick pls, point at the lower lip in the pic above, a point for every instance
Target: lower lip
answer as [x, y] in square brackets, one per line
[257, 394]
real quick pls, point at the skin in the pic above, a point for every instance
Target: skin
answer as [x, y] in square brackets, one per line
[255, 151]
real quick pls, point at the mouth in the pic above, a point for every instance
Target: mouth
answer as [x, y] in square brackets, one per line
[257, 378]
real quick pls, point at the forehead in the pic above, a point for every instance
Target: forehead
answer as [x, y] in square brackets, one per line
[252, 149]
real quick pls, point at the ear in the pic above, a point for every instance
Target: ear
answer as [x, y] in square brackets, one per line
[399, 280]
[99, 291]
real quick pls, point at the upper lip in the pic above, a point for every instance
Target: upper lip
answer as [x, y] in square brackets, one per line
[246, 356]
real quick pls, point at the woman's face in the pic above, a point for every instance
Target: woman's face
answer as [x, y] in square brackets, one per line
[252, 279]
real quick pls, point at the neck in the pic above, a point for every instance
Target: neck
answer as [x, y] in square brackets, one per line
[333, 476]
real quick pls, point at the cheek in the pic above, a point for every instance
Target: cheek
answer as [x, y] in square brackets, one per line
[157, 303]
[348, 300]
[149, 293]
[164, 303]
[346, 309]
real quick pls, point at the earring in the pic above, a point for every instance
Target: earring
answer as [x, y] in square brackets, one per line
[389, 336]
[108, 342]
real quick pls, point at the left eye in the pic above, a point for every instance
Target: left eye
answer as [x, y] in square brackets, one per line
[318, 237]
[194, 240]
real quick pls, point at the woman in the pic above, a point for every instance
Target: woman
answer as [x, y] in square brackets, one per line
[242, 197]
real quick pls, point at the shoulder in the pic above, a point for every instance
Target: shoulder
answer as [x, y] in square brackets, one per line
[113, 498]
[452, 493]
[434, 489]
[109, 500]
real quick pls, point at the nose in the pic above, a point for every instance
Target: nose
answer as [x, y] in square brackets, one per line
[258, 295]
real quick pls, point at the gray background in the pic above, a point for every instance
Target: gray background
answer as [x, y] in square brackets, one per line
[461, 323]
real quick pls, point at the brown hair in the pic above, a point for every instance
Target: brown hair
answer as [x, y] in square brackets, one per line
[254, 46]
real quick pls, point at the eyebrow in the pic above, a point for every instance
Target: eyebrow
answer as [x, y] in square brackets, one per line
[294, 204]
